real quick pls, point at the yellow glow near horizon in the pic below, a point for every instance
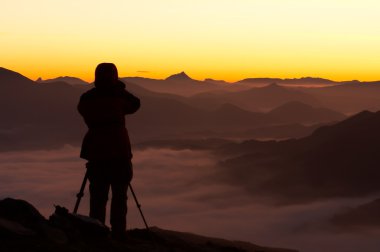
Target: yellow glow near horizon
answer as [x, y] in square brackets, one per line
[220, 39]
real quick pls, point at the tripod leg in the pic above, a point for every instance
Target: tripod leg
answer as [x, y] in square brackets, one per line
[81, 192]
[138, 206]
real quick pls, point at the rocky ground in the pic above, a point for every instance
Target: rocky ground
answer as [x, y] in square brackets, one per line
[23, 228]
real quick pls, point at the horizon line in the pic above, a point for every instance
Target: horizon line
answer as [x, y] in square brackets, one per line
[202, 80]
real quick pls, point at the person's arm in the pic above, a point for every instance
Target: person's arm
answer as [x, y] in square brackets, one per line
[132, 103]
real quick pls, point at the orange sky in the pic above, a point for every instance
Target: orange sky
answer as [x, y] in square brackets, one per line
[220, 39]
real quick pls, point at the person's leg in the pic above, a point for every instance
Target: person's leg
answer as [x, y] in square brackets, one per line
[119, 185]
[119, 208]
[99, 188]
[98, 200]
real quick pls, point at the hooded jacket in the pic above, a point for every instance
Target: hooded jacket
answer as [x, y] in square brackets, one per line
[103, 109]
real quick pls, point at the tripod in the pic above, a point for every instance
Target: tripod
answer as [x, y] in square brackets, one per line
[81, 193]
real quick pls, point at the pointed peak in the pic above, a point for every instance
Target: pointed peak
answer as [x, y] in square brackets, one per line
[180, 76]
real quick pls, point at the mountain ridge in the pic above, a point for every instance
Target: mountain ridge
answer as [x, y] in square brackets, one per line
[336, 161]
[67, 79]
[260, 80]
[44, 114]
[8, 76]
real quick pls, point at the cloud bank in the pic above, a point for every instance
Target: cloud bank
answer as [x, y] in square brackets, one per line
[178, 190]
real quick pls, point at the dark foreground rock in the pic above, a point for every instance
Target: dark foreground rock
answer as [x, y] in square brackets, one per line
[23, 228]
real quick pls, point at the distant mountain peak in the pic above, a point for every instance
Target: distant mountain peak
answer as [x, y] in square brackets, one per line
[180, 76]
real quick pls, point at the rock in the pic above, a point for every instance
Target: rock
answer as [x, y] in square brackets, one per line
[76, 225]
[20, 217]
[22, 212]
[8, 227]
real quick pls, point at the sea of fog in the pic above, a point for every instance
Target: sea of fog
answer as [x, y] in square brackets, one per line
[178, 191]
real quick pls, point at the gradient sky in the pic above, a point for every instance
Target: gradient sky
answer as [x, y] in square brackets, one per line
[220, 39]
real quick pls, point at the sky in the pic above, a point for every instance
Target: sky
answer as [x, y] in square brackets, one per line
[219, 39]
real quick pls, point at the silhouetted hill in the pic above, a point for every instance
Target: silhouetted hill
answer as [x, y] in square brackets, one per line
[340, 160]
[12, 83]
[282, 131]
[254, 99]
[37, 114]
[23, 228]
[66, 79]
[362, 216]
[44, 115]
[345, 96]
[166, 118]
[221, 82]
[350, 97]
[232, 118]
[360, 127]
[162, 117]
[295, 112]
[9, 77]
[228, 108]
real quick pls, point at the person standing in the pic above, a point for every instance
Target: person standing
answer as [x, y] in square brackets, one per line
[106, 145]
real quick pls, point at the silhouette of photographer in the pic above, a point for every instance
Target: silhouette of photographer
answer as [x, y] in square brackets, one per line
[106, 145]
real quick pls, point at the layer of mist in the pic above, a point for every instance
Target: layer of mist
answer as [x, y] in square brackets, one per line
[179, 190]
